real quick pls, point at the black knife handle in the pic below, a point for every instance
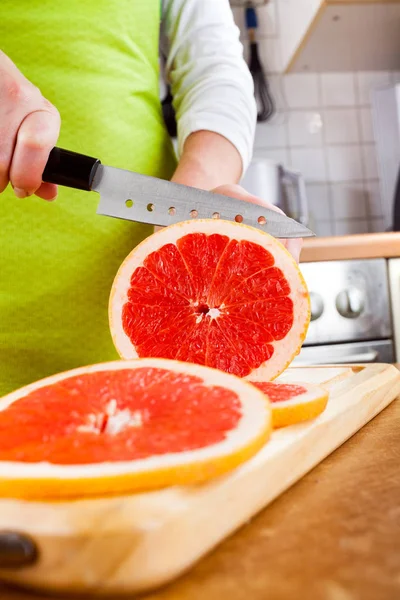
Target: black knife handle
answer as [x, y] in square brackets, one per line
[70, 169]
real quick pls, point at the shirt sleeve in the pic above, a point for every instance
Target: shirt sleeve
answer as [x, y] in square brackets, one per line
[210, 81]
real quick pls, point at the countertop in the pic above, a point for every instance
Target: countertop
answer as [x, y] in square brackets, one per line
[335, 535]
[370, 245]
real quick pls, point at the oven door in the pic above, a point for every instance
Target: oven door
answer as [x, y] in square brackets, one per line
[381, 351]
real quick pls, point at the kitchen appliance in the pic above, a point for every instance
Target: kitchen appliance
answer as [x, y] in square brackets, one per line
[274, 183]
[396, 204]
[134, 543]
[386, 123]
[350, 313]
[394, 284]
[136, 197]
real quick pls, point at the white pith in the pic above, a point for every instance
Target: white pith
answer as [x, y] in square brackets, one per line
[255, 420]
[117, 420]
[283, 349]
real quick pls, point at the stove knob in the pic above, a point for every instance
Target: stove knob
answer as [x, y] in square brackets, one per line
[317, 306]
[350, 303]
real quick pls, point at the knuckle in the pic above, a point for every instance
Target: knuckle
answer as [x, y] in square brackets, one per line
[18, 92]
[37, 136]
[15, 90]
[33, 140]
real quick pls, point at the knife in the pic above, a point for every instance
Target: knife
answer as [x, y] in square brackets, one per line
[136, 197]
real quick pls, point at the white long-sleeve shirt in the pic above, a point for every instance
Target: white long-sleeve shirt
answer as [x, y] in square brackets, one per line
[210, 81]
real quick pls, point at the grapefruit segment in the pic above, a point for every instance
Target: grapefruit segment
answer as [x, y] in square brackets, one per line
[127, 426]
[216, 293]
[202, 254]
[293, 402]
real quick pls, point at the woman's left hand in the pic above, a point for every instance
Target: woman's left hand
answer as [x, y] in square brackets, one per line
[236, 191]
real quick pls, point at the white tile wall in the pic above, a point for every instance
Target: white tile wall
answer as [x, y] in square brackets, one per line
[370, 161]
[367, 81]
[349, 201]
[341, 125]
[274, 133]
[310, 162]
[353, 226]
[319, 202]
[367, 131]
[305, 128]
[373, 199]
[376, 225]
[323, 128]
[338, 89]
[302, 91]
[344, 163]
[324, 228]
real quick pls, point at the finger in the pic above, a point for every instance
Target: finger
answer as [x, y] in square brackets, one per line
[37, 135]
[18, 98]
[236, 191]
[294, 246]
[13, 94]
[7, 144]
[47, 191]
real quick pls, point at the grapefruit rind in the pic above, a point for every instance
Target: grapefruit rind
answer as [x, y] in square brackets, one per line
[284, 350]
[298, 409]
[44, 480]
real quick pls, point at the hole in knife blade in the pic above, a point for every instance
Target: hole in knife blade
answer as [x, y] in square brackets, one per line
[129, 203]
[171, 210]
[194, 214]
[239, 219]
[215, 215]
[262, 220]
[150, 207]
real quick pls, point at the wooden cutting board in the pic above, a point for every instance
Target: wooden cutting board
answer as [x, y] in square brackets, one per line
[135, 543]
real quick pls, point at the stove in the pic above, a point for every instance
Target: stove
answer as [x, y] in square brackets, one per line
[350, 313]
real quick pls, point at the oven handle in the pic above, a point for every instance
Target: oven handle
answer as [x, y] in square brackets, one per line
[362, 357]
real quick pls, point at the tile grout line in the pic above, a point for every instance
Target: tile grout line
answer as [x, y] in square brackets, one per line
[363, 165]
[326, 161]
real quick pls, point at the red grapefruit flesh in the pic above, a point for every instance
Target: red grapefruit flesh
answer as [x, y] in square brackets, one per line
[211, 292]
[127, 426]
[293, 402]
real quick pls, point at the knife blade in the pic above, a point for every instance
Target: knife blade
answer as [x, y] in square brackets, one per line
[135, 197]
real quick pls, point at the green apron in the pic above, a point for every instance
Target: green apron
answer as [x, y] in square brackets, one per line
[97, 62]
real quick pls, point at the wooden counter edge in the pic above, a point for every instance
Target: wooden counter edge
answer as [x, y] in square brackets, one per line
[347, 247]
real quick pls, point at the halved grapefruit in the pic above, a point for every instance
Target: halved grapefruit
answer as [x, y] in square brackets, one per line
[293, 402]
[127, 426]
[211, 292]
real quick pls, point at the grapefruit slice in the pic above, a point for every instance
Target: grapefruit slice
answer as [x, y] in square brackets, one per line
[127, 426]
[211, 292]
[293, 402]
[325, 376]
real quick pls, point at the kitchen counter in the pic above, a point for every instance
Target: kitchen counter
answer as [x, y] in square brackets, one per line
[370, 245]
[335, 535]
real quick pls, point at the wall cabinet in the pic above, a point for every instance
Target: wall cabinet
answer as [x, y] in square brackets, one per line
[340, 35]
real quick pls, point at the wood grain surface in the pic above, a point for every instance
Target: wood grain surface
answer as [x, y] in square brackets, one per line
[346, 247]
[335, 535]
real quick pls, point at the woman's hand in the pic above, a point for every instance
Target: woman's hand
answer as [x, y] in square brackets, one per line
[209, 160]
[29, 129]
[236, 191]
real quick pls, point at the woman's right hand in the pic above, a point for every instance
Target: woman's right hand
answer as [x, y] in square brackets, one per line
[29, 129]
